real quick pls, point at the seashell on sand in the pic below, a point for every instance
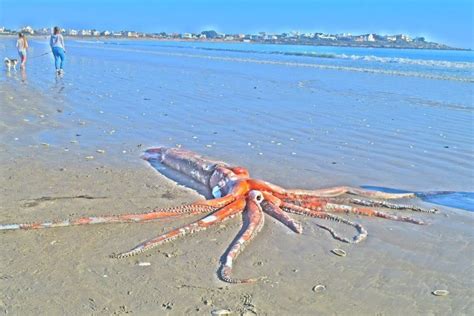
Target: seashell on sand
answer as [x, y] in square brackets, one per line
[218, 312]
[319, 288]
[440, 292]
[339, 252]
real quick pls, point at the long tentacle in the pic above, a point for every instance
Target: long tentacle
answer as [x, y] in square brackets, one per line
[332, 207]
[337, 191]
[372, 203]
[362, 232]
[205, 206]
[271, 206]
[218, 216]
[316, 202]
[254, 219]
[182, 210]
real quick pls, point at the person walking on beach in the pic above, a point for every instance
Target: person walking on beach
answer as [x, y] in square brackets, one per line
[57, 46]
[22, 46]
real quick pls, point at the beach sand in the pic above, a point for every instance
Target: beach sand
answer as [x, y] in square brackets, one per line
[69, 271]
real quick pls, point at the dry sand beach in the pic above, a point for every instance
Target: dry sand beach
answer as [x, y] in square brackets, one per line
[67, 271]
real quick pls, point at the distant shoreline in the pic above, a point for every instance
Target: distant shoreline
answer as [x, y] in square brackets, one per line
[272, 42]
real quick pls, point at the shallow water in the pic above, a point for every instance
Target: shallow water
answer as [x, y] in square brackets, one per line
[299, 116]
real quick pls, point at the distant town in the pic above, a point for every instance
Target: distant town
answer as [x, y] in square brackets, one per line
[296, 38]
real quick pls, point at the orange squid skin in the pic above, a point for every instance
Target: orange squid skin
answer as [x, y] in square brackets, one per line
[236, 192]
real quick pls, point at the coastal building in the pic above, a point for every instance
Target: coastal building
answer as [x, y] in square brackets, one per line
[106, 33]
[42, 31]
[295, 34]
[72, 32]
[399, 37]
[86, 33]
[344, 37]
[251, 37]
[117, 34]
[4, 31]
[326, 37]
[95, 33]
[405, 38]
[187, 36]
[371, 38]
[132, 34]
[28, 30]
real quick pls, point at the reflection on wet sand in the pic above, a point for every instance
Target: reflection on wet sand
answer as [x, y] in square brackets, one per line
[24, 77]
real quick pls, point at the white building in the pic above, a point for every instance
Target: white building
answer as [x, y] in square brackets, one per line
[96, 33]
[72, 32]
[405, 38]
[370, 38]
[86, 32]
[28, 29]
[326, 37]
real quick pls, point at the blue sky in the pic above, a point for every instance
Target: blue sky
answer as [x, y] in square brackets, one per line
[449, 22]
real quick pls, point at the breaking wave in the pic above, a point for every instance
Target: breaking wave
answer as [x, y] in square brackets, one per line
[370, 58]
[405, 73]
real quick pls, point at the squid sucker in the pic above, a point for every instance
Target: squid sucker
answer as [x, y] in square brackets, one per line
[234, 192]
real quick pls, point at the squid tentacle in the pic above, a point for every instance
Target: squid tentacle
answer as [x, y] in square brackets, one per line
[337, 191]
[372, 203]
[271, 206]
[335, 205]
[332, 207]
[183, 210]
[277, 213]
[209, 220]
[362, 232]
[254, 222]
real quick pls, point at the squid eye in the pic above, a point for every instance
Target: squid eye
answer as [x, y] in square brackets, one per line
[216, 192]
[259, 198]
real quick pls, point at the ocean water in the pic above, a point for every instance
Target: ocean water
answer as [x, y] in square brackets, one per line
[300, 116]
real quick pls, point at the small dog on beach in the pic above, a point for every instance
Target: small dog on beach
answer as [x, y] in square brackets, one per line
[10, 63]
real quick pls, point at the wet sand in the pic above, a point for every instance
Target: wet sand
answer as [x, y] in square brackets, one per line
[68, 270]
